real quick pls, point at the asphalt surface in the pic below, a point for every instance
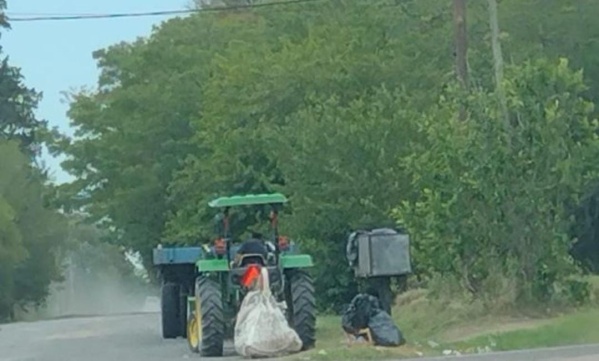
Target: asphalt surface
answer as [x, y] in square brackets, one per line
[137, 338]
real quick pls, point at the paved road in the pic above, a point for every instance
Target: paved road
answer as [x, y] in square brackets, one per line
[137, 338]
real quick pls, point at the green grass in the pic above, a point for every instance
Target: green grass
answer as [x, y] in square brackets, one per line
[431, 326]
[412, 315]
[573, 329]
[332, 346]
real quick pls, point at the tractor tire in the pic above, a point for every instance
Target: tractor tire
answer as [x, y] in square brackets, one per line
[301, 307]
[212, 318]
[183, 314]
[169, 308]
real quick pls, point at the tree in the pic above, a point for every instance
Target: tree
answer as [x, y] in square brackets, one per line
[132, 131]
[32, 234]
[325, 101]
[12, 250]
[340, 166]
[330, 50]
[3, 23]
[553, 29]
[488, 208]
[271, 137]
[17, 104]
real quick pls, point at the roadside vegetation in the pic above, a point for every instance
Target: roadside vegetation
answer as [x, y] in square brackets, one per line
[355, 111]
[42, 244]
[436, 326]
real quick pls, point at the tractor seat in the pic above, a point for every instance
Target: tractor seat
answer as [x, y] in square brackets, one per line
[244, 260]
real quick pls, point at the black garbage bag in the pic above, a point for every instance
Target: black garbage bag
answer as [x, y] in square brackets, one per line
[348, 320]
[384, 331]
[357, 315]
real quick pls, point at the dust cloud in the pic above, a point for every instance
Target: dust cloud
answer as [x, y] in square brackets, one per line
[91, 293]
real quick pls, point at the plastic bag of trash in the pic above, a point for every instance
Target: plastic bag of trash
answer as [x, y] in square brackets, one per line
[365, 311]
[261, 329]
[384, 331]
[356, 317]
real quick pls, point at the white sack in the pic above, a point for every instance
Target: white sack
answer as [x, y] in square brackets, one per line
[261, 329]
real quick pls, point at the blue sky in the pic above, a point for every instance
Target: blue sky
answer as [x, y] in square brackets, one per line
[56, 56]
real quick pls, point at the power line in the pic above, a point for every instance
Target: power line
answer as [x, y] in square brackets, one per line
[28, 14]
[97, 16]
[150, 13]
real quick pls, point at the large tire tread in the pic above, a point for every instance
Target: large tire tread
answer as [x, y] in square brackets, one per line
[213, 321]
[303, 307]
[169, 308]
[183, 314]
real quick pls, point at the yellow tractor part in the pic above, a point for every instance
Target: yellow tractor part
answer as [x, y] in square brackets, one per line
[194, 326]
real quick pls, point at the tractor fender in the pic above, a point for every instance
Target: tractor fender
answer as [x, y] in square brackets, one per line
[212, 265]
[296, 261]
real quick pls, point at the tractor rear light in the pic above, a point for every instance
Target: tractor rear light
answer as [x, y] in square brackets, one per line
[283, 243]
[251, 274]
[220, 247]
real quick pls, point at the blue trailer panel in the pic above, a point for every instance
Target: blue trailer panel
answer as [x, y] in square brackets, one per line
[177, 255]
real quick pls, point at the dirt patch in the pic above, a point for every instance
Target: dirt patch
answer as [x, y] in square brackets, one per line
[491, 326]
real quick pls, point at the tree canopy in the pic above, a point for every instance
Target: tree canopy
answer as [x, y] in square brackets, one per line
[31, 233]
[32, 230]
[350, 108]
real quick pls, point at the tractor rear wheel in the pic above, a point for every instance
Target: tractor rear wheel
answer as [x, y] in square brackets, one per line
[301, 306]
[169, 307]
[211, 318]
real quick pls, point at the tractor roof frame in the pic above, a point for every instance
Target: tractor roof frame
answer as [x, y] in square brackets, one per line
[272, 199]
[248, 200]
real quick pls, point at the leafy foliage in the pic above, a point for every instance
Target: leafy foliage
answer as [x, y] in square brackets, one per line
[31, 233]
[34, 235]
[349, 107]
[18, 103]
[3, 22]
[491, 199]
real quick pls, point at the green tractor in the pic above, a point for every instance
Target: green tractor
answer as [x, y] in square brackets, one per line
[201, 303]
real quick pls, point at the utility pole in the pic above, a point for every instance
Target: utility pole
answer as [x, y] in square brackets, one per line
[498, 61]
[460, 31]
[461, 41]
[71, 286]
